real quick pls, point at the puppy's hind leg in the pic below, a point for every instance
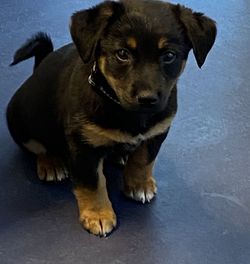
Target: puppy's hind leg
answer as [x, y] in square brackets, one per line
[49, 167]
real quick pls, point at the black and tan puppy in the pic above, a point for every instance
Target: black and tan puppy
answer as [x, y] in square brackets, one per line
[112, 92]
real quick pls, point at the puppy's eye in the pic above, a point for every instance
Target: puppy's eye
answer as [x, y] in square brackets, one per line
[123, 55]
[168, 57]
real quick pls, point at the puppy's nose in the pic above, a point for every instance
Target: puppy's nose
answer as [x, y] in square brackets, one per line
[148, 100]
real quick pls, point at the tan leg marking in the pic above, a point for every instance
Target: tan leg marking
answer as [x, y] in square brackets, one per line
[95, 209]
[50, 168]
[139, 183]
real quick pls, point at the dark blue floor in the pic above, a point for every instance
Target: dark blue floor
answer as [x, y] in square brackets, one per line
[202, 211]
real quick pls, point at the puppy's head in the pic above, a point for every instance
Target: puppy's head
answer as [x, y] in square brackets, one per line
[141, 47]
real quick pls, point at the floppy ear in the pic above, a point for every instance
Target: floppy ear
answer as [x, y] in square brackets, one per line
[201, 31]
[88, 26]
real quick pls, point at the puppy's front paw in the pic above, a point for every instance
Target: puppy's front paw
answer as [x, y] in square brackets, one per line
[100, 222]
[142, 191]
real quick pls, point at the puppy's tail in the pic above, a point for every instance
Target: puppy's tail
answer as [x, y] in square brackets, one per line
[38, 46]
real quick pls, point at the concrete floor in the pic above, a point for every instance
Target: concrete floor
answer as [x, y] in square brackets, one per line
[202, 211]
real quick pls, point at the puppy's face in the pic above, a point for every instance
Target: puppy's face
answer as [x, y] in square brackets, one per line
[141, 47]
[141, 59]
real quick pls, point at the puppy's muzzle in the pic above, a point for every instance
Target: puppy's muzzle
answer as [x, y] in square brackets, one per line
[146, 97]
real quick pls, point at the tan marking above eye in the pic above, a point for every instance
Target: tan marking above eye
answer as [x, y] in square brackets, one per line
[102, 66]
[162, 43]
[102, 63]
[132, 43]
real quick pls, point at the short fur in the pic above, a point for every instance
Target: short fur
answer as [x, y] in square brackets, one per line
[113, 92]
[39, 46]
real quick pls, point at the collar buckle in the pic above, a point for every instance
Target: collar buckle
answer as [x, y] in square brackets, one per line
[101, 88]
[91, 78]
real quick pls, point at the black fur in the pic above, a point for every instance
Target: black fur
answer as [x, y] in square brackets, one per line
[38, 46]
[48, 104]
[57, 102]
[154, 145]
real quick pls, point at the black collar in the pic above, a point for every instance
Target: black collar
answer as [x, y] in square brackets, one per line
[101, 86]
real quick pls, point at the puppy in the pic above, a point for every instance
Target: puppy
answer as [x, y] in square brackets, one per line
[112, 92]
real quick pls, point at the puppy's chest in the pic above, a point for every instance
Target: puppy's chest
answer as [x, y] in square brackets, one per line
[98, 136]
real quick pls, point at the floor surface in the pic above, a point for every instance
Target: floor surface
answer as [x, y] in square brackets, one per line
[202, 211]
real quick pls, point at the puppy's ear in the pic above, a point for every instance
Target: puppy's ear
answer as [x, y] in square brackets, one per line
[201, 31]
[88, 26]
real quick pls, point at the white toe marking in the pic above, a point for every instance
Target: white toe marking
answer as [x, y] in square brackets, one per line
[143, 196]
[62, 174]
[131, 194]
[35, 147]
[140, 196]
[149, 196]
[50, 177]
